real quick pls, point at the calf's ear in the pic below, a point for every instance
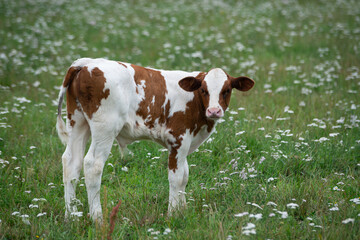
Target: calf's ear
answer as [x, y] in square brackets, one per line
[242, 83]
[190, 84]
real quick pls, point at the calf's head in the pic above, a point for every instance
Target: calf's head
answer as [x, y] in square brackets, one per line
[215, 89]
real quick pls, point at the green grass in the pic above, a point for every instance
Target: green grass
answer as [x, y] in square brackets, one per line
[304, 57]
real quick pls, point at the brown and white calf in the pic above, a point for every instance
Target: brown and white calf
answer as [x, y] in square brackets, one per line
[110, 100]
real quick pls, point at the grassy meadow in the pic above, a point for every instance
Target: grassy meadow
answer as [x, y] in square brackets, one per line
[284, 163]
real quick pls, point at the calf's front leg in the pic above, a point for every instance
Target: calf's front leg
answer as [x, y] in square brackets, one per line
[178, 175]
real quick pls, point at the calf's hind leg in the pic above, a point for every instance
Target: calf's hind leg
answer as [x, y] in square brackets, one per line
[72, 160]
[102, 139]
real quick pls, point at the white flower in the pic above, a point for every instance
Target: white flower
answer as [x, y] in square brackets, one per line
[336, 188]
[15, 214]
[292, 205]
[39, 199]
[340, 121]
[25, 219]
[125, 169]
[281, 89]
[209, 140]
[271, 204]
[323, 139]
[287, 109]
[36, 84]
[33, 206]
[270, 179]
[355, 200]
[41, 214]
[249, 229]
[77, 214]
[306, 91]
[241, 214]
[267, 86]
[256, 216]
[282, 119]
[167, 231]
[334, 208]
[22, 99]
[283, 214]
[346, 221]
[197, 54]
[155, 233]
[239, 133]
[240, 47]
[249, 226]
[248, 232]
[254, 204]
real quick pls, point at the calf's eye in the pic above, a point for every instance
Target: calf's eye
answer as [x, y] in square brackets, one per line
[226, 93]
[203, 91]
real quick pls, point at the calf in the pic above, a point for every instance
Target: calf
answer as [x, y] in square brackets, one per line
[110, 100]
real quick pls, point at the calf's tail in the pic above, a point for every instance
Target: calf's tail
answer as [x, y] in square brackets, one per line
[60, 124]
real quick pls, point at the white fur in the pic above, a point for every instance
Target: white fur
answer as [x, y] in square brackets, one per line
[215, 80]
[175, 94]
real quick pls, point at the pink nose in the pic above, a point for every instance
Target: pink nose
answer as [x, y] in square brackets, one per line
[214, 113]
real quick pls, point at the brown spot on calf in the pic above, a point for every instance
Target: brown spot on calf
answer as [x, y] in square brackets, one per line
[89, 90]
[122, 64]
[151, 108]
[72, 123]
[71, 104]
[86, 89]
